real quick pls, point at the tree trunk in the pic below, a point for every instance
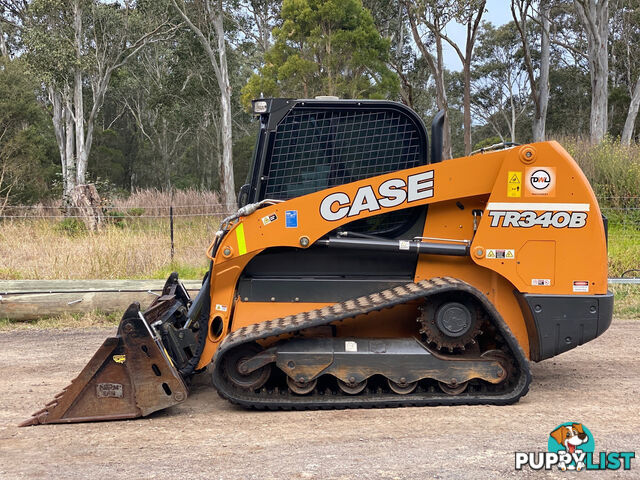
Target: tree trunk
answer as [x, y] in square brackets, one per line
[78, 101]
[87, 205]
[443, 103]
[595, 20]
[4, 51]
[227, 186]
[436, 65]
[467, 107]
[57, 113]
[221, 70]
[472, 29]
[632, 114]
[542, 90]
[69, 181]
[512, 123]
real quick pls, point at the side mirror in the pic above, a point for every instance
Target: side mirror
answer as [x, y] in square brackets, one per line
[243, 195]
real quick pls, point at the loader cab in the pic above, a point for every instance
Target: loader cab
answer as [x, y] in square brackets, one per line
[305, 146]
[308, 145]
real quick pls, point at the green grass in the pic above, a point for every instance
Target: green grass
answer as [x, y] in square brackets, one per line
[10, 274]
[185, 271]
[624, 250]
[76, 320]
[627, 301]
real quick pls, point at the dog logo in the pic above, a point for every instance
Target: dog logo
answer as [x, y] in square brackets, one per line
[571, 448]
[572, 440]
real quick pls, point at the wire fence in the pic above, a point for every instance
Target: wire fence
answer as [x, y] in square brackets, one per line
[16, 212]
[140, 237]
[626, 218]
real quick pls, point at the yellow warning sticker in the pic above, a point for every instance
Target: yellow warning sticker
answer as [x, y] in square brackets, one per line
[514, 184]
[501, 253]
[242, 244]
[119, 358]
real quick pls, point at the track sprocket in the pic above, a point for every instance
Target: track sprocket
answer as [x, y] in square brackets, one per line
[451, 324]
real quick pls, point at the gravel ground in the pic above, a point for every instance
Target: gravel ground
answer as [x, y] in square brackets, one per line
[597, 384]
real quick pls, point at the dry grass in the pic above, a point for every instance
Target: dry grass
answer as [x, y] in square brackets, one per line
[140, 248]
[612, 169]
[185, 202]
[142, 203]
[133, 243]
[627, 301]
[37, 249]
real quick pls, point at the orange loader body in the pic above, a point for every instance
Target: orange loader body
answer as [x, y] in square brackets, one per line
[503, 261]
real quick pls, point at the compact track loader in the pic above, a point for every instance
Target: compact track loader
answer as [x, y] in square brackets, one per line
[362, 270]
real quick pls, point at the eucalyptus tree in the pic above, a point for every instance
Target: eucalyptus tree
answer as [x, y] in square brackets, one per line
[435, 14]
[626, 59]
[404, 60]
[4, 50]
[531, 17]
[500, 82]
[206, 20]
[75, 44]
[26, 143]
[594, 16]
[428, 20]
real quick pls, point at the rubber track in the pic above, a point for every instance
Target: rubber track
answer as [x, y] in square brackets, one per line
[282, 399]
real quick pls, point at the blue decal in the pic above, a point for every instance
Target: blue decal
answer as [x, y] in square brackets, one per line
[291, 218]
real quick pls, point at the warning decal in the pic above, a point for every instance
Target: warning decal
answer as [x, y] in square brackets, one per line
[514, 184]
[501, 253]
[581, 286]
[269, 218]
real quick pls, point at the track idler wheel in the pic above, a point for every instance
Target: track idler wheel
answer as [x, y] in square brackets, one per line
[453, 388]
[352, 388]
[233, 368]
[301, 388]
[402, 388]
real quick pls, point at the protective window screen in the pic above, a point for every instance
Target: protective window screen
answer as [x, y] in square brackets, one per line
[318, 149]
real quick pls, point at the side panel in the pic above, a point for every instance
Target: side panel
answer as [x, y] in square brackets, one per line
[548, 237]
[303, 220]
[514, 215]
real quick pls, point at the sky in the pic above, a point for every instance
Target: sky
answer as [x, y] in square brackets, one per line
[498, 13]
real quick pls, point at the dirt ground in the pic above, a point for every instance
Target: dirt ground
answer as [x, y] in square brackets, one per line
[597, 384]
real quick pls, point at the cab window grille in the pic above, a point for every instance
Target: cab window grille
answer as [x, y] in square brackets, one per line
[318, 149]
